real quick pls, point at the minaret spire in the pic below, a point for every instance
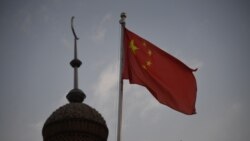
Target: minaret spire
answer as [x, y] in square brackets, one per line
[75, 95]
[73, 62]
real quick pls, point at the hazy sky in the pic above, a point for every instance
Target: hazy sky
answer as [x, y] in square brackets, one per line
[36, 46]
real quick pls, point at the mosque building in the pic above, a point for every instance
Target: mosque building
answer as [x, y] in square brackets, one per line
[75, 121]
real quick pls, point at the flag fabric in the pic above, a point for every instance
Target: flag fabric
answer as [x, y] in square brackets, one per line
[169, 80]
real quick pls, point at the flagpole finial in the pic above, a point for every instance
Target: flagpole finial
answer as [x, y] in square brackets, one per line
[123, 17]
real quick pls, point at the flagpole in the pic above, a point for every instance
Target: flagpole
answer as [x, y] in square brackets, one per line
[119, 125]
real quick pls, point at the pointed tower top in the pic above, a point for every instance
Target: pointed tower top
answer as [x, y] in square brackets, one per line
[75, 121]
[75, 95]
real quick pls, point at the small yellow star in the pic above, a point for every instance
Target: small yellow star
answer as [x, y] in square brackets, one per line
[149, 52]
[143, 66]
[133, 47]
[149, 63]
[144, 44]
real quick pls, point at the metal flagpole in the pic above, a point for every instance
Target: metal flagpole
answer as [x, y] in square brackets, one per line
[119, 125]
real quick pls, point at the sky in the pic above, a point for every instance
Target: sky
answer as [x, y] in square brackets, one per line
[36, 46]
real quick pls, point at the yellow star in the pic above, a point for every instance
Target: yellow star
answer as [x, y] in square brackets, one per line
[143, 66]
[149, 63]
[149, 52]
[133, 47]
[144, 44]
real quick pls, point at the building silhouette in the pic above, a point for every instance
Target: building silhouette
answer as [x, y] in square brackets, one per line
[75, 121]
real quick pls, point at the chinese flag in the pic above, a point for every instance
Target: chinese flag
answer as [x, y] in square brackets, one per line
[169, 80]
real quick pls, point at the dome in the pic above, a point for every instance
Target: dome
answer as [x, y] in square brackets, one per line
[75, 122]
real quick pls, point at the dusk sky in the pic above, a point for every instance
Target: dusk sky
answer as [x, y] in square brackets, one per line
[36, 46]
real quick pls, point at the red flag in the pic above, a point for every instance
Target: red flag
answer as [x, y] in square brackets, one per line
[169, 80]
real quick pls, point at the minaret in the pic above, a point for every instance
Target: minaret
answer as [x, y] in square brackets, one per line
[75, 121]
[75, 95]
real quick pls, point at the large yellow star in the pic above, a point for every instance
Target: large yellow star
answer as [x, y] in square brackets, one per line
[133, 47]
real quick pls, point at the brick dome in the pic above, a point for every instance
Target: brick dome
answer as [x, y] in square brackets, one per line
[75, 122]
